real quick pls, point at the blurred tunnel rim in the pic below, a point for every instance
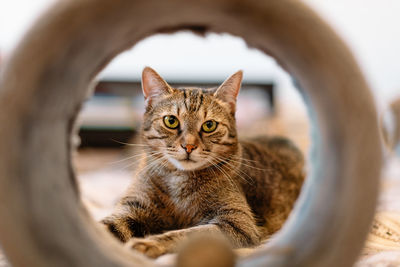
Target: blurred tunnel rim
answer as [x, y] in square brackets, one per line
[75, 39]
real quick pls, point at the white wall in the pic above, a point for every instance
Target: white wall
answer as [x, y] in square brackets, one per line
[370, 27]
[15, 18]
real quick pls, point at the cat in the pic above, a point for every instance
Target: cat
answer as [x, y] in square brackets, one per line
[196, 177]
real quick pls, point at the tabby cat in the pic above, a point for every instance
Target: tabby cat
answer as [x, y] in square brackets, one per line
[196, 177]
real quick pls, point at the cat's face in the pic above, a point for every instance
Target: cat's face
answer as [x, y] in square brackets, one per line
[190, 128]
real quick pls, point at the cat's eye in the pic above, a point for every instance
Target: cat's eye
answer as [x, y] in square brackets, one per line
[209, 126]
[171, 122]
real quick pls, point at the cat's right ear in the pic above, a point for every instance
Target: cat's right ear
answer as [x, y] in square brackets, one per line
[153, 85]
[229, 90]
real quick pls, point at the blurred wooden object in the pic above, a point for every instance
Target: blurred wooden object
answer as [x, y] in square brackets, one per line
[391, 126]
[43, 222]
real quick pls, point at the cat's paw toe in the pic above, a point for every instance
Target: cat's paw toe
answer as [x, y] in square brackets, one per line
[151, 248]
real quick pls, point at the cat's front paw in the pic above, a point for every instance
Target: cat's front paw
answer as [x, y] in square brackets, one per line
[151, 248]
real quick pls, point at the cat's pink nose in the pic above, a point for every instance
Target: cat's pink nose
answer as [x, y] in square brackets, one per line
[189, 148]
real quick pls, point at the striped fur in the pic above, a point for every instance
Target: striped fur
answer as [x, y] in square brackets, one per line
[243, 190]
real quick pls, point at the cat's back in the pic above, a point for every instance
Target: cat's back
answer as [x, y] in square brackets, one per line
[266, 150]
[271, 177]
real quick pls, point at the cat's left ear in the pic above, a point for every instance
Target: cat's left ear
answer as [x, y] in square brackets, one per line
[229, 89]
[153, 85]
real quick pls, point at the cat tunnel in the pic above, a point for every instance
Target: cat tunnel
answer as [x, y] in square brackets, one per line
[43, 221]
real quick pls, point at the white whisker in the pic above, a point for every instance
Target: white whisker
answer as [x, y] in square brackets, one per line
[129, 144]
[236, 169]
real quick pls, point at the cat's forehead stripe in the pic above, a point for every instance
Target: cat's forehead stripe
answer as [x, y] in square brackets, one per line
[201, 101]
[192, 99]
[184, 99]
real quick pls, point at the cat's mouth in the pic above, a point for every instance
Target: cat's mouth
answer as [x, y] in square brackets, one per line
[187, 160]
[186, 163]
